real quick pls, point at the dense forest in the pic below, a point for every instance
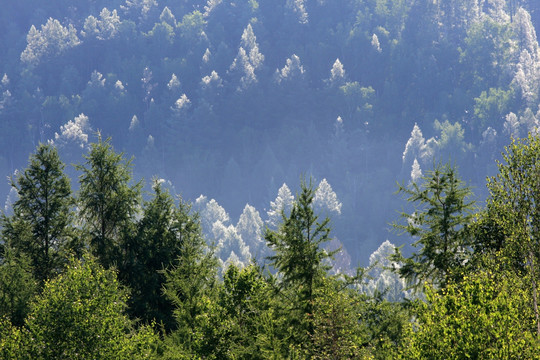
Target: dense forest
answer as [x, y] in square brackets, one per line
[205, 177]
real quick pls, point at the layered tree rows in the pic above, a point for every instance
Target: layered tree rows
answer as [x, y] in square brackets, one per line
[220, 97]
[102, 273]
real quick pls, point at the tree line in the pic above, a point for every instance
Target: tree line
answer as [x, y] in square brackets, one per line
[106, 274]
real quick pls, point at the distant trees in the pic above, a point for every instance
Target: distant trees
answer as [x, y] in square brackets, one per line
[52, 40]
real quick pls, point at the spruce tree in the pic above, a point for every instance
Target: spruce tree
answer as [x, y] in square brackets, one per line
[40, 226]
[108, 202]
[300, 260]
[440, 222]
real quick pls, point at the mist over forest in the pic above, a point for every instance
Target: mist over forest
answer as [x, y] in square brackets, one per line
[227, 101]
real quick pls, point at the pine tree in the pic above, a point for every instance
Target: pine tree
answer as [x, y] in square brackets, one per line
[440, 219]
[40, 227]
[155, 247]
[300, 259]
[107, 200]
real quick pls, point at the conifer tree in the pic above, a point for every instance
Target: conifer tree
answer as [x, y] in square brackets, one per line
[40, 225]
[154, 248]
[300, 259]
[439, 222]
[107, 200]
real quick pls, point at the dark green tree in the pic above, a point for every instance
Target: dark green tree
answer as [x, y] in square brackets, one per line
[155, 247]
[244, 297]
[17, 286]
[40, 226]
[440, 222]
[191, 286]
[301, 261]
[108, 202]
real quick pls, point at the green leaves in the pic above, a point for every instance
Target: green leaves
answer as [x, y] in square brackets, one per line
[81, 315]
[486, 316]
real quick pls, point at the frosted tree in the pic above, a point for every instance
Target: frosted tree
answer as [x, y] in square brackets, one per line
[299, 9]
[96, 80]
[250, 229]
[181, 105]
[5, 95]
[229, 245]
[415, 144]
[418, 148]
[383, 279]
[206, 56]
[11, 197]
[248, 59]
[527, 75]
[210, 6]
[282, 204]
[210, 212]
[104, 28]
[524, 29]
[52, 40]
[174, 83]
[416, 171]
[375, 43]
[167, 17]
[4, 82]
[212, 81]
[142, 8]
[511, 125]
[337, 74]
[325, 199]
[293, 69]
[74, 133]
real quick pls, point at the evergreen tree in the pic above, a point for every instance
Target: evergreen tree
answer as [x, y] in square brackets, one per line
[155, 247]
[17, 287]
[301, 260]
[439, 221]
[107, 200]
[40, 225]
[191, 285]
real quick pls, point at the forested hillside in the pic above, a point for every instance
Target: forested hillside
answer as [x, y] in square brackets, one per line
[232, 100]
[200, 179]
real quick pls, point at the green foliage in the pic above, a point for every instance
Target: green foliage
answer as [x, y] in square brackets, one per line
[452, 145]
[11, 341]
[107, 200]
[81, 314]
[245, 298]
[191, 285]
[439, 221]
[338, 332]
[491, 107]
[40, 227]
[300, 259]
[513, 207]
[155, 247]
[486, 316]
[17, 287]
